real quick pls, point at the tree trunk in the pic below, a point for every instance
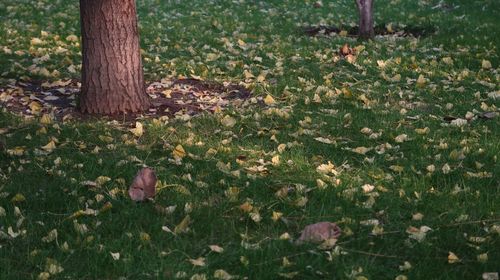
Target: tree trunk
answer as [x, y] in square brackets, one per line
[365, 9]
[112, 75]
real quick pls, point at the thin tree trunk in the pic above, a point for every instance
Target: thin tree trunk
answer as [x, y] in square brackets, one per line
[365, 9]
[112, 74]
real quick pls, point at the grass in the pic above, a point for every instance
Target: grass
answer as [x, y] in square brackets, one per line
[39, 191]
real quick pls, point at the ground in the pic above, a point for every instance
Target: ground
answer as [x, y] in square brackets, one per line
[394, 140]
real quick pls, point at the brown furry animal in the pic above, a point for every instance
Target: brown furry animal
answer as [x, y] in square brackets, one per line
[319, 232]
[144, 185]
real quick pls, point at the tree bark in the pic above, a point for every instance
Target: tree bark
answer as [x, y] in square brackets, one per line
[112, 74]
[365, 9]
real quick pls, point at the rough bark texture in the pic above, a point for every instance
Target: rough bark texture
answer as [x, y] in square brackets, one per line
[112, 75]
[365, 9]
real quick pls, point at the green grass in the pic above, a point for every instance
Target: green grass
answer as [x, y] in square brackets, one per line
[177, 37]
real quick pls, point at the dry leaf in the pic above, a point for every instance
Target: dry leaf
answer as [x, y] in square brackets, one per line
[269, 100]
[222, 274]
[452, 258]
[115, 256]
[50, 146]
[216, 248]
[178, 152]
[361, 150]
[138, 130]
[198, 262]
[228, 121]
[183, 226]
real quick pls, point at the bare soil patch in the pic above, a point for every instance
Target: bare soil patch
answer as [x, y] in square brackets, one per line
[168, 97]
[380, 30]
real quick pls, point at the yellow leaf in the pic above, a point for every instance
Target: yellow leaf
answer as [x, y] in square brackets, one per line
[401, 138]
[46, 119]
[179, 152]
[167, 93]
[482, 257]
[281, 148]
[222, 274]
[183, 225]
[422, 131]
[43, 276]
[115, 256]
[241, 42]
[269, 100]
[486, 64]
[198, 262]
[276, 160]
[101, 180]
[51, 236]
[321, 184]
[212, 57]
[276, 216]
[35, 107]
[216, 248]
[72, 38]
[138, 130]
[285, 236]
[261, 78]
[107, 206]
[396, 168]
[326, 168]
[36, 41]
[447, 60]
[18, 198]
[50, 146]
[77, 214]
[417, 216]
[246, 207]
[421, 80]
[248, 74]
[144, 236]
[17, 151]
[361, 150]
[452, 258]
[228, 121]
[317, 98]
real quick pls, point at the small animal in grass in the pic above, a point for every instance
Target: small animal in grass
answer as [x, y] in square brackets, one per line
[144, 185]
[319, 232]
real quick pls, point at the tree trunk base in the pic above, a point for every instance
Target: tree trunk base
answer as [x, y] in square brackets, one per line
[365, 9]
[112, 74]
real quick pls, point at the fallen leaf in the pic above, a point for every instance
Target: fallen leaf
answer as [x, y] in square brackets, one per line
[269, 100]
[486, 64]
[51, 146]
[18, 198]
[115, 256]
[198, 262]
[179, 152]
[452, 258]
[183, 226]
[216, 248]
[228, 121]
[138, 131]
[361, 150]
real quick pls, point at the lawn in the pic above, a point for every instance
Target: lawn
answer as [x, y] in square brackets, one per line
[397, 143]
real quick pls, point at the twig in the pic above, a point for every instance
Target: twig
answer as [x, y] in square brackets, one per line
[280, 258]
[473, 222]
[371, 254]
